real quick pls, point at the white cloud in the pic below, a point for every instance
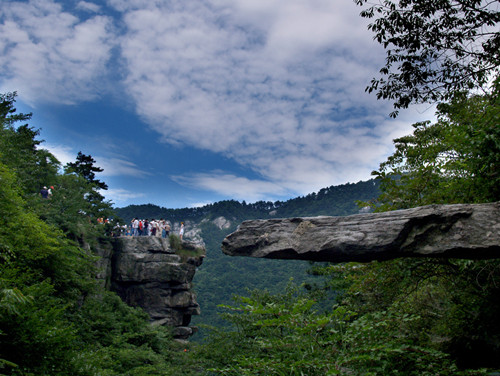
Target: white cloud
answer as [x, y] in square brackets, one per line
[49, 55]
[200, 204]
[276, 85]
[119, 167]
[64, 154]
[87, 6]
[237, 187]
[119, 196]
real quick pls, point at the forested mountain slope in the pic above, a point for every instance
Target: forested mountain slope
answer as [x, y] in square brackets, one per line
[334, 200]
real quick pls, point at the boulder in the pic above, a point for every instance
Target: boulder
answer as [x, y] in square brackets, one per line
[469, 231]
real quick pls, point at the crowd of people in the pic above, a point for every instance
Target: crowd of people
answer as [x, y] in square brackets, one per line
[144, 227]
[138, 227]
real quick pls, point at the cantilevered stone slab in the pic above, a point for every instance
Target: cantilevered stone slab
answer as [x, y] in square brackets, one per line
[469, 231]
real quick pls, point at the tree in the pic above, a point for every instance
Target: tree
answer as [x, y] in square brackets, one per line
[8, 114]
[84, 166]
[55, 317]
[455, 160]
[434, 48]
[20, 149]
[453, 303]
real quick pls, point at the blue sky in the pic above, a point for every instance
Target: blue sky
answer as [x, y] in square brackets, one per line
[184, 103]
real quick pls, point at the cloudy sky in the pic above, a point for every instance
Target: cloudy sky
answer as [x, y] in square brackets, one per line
[189, 102]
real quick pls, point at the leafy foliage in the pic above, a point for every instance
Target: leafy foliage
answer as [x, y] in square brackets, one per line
[284, 334]
[55, 318]
[84, 166]
[455, 160]
[222, 276]
[434, 49]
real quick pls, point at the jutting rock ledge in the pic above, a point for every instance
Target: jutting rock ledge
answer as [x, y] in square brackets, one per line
[469, 231]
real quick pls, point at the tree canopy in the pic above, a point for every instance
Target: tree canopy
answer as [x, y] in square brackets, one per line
[454, 160]
[434, 48]
[84, 166]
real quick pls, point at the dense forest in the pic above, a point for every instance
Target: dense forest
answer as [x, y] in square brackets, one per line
[400, 317]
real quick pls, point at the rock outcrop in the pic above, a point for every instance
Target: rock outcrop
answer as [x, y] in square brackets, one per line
[457, 231]
[146, 272]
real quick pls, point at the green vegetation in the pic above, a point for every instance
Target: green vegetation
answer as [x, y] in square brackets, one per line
[55, 318]
[434, 49]
[334, 200]
[400, 317]
[176, 244]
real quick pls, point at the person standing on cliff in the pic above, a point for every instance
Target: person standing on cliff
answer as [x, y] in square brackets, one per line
[159, 228]
[181, 231]
[167, 229]
[135, 227]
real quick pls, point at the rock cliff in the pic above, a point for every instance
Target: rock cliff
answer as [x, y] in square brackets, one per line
[146, 272]
[461, 231]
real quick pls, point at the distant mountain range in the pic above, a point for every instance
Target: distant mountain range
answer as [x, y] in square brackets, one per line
[334, 201]
[220, 277]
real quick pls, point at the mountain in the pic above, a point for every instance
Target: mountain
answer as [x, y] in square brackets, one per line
[220, 277]
[334, 201]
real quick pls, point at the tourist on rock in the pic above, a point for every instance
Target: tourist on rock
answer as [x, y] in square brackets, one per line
[159, 229]
[167, 229]
[162, 227]
[152, 227]
[44, 192]
[181, 231]
[135, 227]
[141, 227]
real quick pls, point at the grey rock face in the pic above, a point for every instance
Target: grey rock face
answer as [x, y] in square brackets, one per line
[146, 272]
[456, 231]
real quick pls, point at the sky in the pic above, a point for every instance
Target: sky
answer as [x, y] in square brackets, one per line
[185, 103]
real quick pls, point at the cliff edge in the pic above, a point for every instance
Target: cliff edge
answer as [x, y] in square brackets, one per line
[146, 272]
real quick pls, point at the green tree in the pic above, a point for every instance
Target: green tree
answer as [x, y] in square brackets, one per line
[84, 166]
[452, 303]
[433, 48]
[455, 160]
[34, 166]
[8, 113]
[276, 335]
[55, 318]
